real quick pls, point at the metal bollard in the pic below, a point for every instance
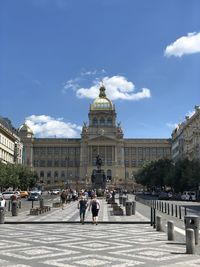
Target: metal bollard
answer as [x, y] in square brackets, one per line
[158, 223]
[180, 217]
[133, 207]
[170, 230]
[172, 208]
[168, 209]
[190, 241]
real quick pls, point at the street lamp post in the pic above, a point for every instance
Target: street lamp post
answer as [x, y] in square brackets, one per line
[67, 165]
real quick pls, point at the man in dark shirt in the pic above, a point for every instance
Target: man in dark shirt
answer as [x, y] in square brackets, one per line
[82, 205]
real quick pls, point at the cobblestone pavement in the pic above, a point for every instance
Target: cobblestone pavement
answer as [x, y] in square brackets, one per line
[76, 245]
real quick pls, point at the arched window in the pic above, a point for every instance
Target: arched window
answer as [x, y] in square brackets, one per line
[102, 121]
[56, 174]
[41, 174]
[94, 122]
[62, 174]
[48, 174]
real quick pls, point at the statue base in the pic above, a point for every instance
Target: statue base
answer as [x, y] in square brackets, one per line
[99, 179]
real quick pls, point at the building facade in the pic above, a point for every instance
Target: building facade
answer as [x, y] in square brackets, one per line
[186, 138]
[10, 144]
[63, 161]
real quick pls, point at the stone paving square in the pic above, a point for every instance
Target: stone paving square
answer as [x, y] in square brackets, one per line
[70, 244]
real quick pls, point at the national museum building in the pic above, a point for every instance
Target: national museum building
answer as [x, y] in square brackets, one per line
[72, 161]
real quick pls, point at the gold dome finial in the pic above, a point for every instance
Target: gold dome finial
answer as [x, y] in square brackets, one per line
[102, 90]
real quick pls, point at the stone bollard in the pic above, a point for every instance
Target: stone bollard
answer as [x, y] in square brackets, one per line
[128, 208]
[41, 203]
[190, 241]
[192, 222]
[2, 215]
[120, 199]
[124, 201]
[170, 230]
[14, 208]
[158, 223]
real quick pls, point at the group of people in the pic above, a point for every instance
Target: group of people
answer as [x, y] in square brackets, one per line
[84, 203]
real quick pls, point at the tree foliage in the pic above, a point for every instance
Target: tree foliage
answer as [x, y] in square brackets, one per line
[183, 175]
[16, 176]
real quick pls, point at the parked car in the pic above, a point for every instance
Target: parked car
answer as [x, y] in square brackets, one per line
[164, 195]
[2, 201]
[34, 196]
[24, 194]
[55, 191]
[189, 195]
[7, 194]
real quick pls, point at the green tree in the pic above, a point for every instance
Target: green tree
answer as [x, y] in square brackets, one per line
[17, 176]
[181, 176]
[154, 173]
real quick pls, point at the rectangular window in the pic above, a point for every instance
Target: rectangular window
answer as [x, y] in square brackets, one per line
[126, 163]
[49, 163]
[133, 163]
[133, 151]
[56, 163]
[42, 163]
[63, 163]
[36, 163]
[56, 150]
[49, 150]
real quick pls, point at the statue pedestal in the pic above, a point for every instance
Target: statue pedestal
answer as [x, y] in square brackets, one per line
[99, 180]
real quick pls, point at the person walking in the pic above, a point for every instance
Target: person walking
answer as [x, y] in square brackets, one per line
[94, 207]
[82, 206]
[63, 198]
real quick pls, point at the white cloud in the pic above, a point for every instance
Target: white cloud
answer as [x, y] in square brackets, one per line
[185, 45]
[172, 125]
[71, 84]
[46, 126]
[117, 87]
[74, 84]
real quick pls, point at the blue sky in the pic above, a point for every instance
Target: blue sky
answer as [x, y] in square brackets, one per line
[54, 53]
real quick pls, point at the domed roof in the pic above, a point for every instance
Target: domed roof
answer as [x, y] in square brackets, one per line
[25, 128]
[102, 102]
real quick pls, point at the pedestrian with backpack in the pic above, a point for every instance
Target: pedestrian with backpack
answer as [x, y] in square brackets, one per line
[95, 207]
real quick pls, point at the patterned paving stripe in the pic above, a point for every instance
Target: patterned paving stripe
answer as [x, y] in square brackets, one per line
[89, 245]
